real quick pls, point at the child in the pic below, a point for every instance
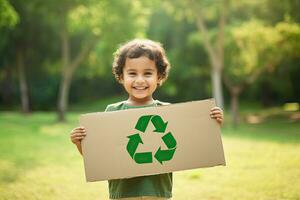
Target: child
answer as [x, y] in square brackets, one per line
[141, 67]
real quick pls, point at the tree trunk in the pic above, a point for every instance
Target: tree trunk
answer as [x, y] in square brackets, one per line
[266, 93]
[217, 86]
[23, 83]
[63, 95]
[216, 55]
[69, 67]
[234, 105]
[66, 76]
[7, 87]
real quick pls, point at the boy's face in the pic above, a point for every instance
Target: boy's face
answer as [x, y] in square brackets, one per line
[140, 79]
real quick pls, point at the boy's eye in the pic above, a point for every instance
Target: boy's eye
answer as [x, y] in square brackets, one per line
[148, 73]
[131, 73]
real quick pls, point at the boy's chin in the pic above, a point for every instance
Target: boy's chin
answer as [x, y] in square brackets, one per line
[141, 97]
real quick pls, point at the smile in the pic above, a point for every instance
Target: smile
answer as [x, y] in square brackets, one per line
[140, 88]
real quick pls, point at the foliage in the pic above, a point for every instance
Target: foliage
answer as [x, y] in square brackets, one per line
[8, 15]
[254, 32]
[253, 47]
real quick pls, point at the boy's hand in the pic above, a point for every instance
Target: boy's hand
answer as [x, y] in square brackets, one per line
[217, 114]
[77, 134]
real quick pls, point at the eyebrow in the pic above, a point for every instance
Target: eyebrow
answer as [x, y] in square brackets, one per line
[144, 70]
[149, 69]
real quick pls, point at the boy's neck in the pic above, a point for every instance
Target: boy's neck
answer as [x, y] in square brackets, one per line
[141, 102]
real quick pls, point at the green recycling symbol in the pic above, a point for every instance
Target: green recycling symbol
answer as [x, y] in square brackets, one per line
[135, 139]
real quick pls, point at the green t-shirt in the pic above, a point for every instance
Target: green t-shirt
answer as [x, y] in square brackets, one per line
[159, 185]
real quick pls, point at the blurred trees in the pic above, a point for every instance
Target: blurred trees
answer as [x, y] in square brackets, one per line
[92, 22]
[71, 29]
[252, 38]
[81, 26]
[8, 19]
[210, 20]
[21, 50]
[46, 46]
[253, 50]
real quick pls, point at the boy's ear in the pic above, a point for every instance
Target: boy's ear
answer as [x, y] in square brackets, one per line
[121, 80]
[159, 81]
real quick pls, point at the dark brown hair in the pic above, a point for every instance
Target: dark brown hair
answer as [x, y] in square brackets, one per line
[137, 48]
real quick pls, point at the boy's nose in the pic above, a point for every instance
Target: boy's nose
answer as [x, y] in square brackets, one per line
[139, 79]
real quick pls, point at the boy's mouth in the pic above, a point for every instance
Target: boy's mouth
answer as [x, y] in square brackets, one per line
[140, 87]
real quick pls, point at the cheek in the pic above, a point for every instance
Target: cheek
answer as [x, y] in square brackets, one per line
[153, 82]
[127, 78]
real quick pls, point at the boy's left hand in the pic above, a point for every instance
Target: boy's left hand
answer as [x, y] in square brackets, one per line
[217, 114]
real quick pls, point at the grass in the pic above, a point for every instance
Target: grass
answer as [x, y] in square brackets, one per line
[37, 161]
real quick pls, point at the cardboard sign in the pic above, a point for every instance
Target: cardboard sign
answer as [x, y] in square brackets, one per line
[153, 140]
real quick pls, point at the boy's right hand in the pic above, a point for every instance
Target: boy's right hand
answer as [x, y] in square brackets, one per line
[77, 134]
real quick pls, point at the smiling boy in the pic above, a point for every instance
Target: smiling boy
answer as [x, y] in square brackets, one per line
[141, 66]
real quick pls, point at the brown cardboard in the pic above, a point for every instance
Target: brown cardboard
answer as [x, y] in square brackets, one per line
[198, 141]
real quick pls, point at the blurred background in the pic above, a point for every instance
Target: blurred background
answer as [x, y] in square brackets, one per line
[55, 64]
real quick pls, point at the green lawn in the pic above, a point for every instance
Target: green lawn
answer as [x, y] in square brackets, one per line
[38, 161]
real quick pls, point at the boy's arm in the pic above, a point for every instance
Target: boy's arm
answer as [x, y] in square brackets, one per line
[79, 148]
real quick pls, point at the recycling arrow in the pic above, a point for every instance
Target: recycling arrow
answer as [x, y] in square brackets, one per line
[157, 121]
[161, 155]
[159, 124]
[164, 155]
[145, 157]
[133, 143]
[169, 140]
[142, 123]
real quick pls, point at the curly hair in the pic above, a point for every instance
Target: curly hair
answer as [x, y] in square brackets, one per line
[137, 48]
